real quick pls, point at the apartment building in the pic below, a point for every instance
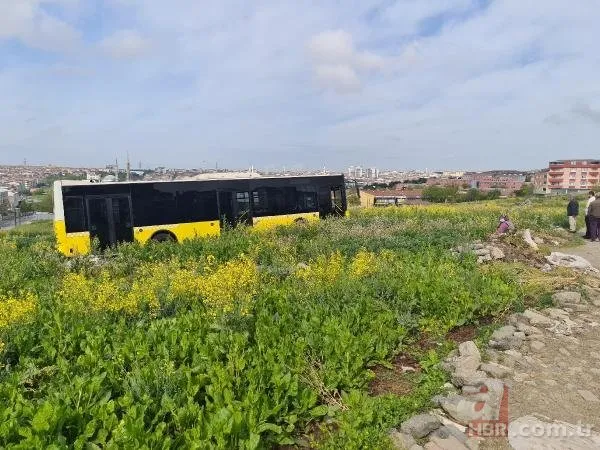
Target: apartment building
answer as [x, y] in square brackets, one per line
[539, 180]
[506, 182]
[573, 175]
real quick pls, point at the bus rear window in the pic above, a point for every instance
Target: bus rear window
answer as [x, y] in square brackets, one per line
[74, 214]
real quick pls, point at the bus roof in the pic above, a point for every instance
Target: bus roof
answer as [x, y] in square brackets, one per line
[104, 183]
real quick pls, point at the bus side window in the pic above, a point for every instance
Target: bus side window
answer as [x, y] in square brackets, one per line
[260, 203]
[74, 214]
[307, 201]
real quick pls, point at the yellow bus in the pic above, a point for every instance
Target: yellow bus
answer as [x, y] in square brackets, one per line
[114, 212]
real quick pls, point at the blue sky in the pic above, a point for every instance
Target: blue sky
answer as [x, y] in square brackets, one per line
[471, 84]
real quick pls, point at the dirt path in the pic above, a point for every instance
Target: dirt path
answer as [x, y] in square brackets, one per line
[556, 376]
[589, 251]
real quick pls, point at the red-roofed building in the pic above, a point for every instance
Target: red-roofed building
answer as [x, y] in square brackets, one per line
[390, 198]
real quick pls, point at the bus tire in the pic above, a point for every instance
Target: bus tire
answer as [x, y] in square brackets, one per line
[163, 236]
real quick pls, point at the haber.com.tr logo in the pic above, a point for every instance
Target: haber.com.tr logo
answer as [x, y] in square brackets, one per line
[489, 407]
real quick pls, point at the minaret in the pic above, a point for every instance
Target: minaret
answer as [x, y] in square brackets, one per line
[117, 168]
[128, 168]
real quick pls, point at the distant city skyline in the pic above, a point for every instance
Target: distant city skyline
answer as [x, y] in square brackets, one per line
[109, 165]
[458, 84]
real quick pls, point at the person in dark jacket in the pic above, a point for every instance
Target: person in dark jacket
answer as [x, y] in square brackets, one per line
[573, 212]
[591, 198]
[594, 215]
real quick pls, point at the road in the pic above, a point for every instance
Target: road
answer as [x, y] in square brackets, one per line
[9, 223]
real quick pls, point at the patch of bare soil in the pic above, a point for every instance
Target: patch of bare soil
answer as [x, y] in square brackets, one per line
[466, 333]
[396, 380]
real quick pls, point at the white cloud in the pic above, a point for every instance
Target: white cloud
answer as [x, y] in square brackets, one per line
[30, 23]
[125, 44]
[337, 61]
[436, 77]
[340, 77]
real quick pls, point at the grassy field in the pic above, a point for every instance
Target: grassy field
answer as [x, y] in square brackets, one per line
[251, 340]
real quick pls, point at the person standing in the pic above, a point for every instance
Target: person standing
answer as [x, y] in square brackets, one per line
[594, 215]
[572, 212]
[592, 197]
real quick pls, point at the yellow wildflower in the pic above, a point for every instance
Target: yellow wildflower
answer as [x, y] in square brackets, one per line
[13, 310]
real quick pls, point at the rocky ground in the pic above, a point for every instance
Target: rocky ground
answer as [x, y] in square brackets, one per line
[540, 374]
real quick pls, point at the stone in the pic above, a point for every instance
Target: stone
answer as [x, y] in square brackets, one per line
[528, 329]
[566, 297]
[514, 354]
[446, 431]
[537, 345]
[576, 307]
[591, 292]
[416, 447]
[529, 240]
[448, 443]
[537, 319]
[588, 396]
[506, 343]
[503, 332]
[471, 390]
[492, 355]
[517, 318]
[556, 313]
[573, 261]
[495, 370]
[467, 364]
[401, 441]
[504, 338]
[496, 253]
[482, 251]
[420, 425]
[449, 364]
[519, 335]
[469, 348]
[465, 411]
[437, 399]
[468, 378]
[563, 327]
[596, 302]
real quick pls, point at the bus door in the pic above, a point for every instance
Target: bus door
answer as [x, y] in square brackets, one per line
[109, 219]
[337, 201]
[331, 201]
[234, 208]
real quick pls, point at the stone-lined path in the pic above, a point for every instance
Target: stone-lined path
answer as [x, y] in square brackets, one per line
[557, 379]
[550, 362]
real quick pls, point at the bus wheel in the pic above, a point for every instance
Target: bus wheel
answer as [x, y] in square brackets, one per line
[164, 236]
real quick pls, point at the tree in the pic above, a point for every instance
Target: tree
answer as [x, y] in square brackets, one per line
[25, 206]
[440, 194]
[493, 194]
[525, 191]
[472, 195]
[4, 207]
[45, 203]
